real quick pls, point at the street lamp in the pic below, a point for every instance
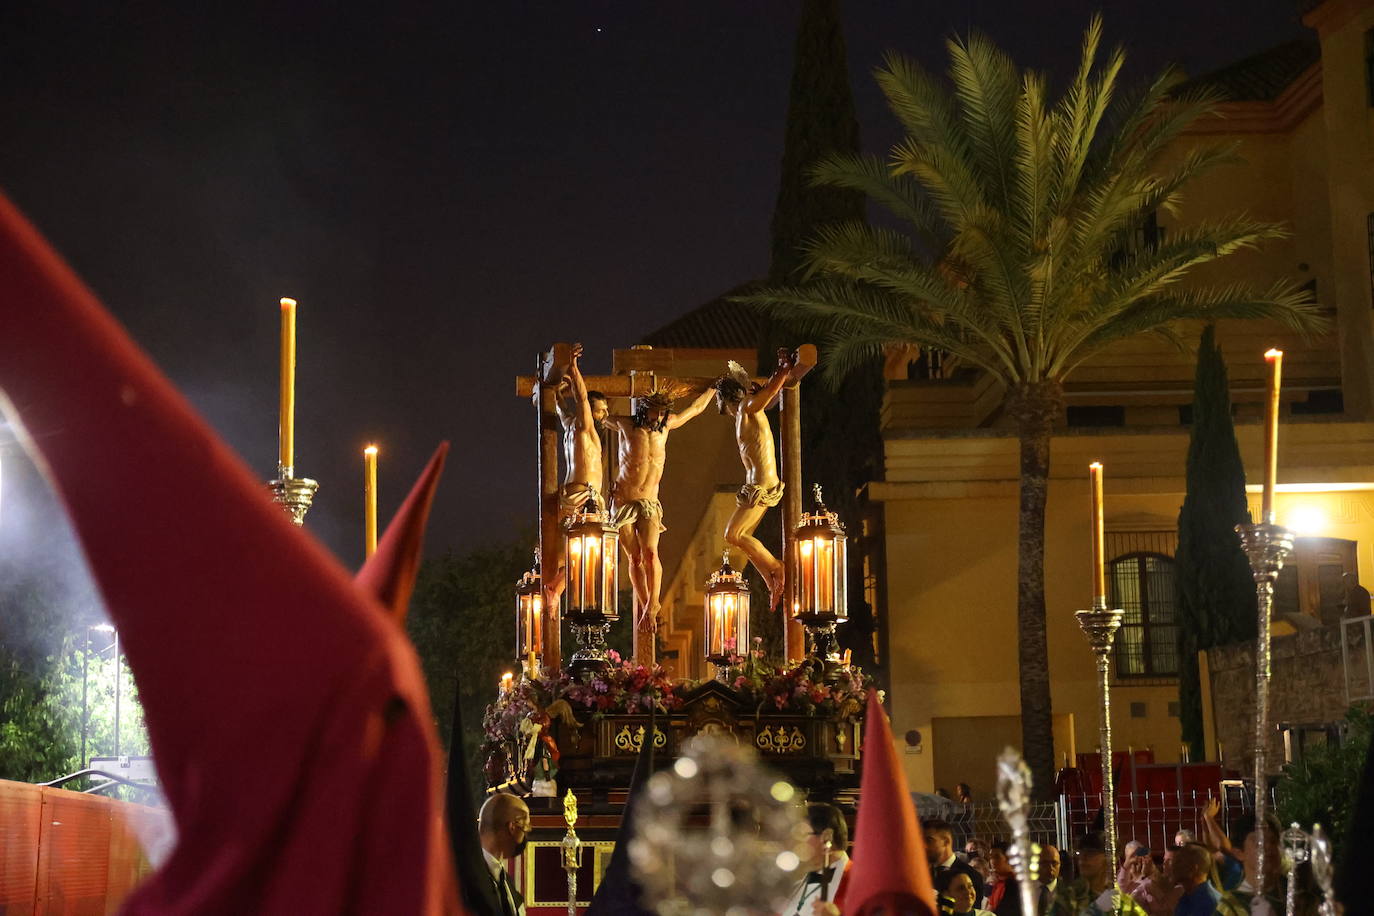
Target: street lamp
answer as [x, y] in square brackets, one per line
[727, 615]
[529, 610]
[85, 686]
[590, 544]
[819, 594]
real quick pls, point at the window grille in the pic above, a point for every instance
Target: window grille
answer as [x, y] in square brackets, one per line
[1142, 585]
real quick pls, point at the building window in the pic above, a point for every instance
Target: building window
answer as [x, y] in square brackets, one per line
[1096, 415]
[1142, 585]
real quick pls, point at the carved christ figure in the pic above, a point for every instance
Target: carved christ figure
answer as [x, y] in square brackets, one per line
[745, 401]
[634, 497]
[582, 414]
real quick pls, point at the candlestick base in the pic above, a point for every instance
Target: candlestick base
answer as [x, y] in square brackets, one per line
[1100, 624]
[294, 494]
[1266, 546]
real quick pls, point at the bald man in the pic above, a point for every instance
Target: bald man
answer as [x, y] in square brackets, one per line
[503, 826]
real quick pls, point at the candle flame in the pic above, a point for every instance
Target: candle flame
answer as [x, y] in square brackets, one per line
[288, 303]
[1273, 353]
[370, 450]
[1096, 465]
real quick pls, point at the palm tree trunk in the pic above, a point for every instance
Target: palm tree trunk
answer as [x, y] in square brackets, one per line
[1035, 408]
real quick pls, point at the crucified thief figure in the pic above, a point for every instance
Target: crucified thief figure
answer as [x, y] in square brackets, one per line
[583, 415]
[637, 512]
[746, 401]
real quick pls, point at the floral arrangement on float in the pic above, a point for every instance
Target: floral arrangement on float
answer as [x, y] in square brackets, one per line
[803, 687]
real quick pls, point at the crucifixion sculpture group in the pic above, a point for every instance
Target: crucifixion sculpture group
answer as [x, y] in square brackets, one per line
[575, 418]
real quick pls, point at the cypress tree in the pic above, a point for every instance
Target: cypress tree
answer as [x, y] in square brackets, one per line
[1216, 594]
[820, 121]
[841, 445]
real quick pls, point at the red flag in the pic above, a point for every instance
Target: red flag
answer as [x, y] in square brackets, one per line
[389, 574]
[890, 872]
[287, 714]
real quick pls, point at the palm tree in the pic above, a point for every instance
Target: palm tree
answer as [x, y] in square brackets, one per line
[1014, 257]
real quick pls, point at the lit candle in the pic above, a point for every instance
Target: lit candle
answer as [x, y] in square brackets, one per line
[589, 580]
[286, 437]
[534, 632]
[825, 576]
[370, 500]
[574, 568]
[1271, 434]
[1099, 535]
[505, 682]
[529, 661]
[846, 657]
[807, 571]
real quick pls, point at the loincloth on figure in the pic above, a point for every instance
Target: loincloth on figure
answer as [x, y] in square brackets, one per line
[631, 511]
[573, 496]
[751, 495]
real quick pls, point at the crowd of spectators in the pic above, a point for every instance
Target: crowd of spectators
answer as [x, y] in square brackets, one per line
[1198, 875]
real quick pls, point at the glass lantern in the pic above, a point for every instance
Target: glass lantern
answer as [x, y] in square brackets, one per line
[590, 595]
[529, 619]
[819, 590]
[726, 632]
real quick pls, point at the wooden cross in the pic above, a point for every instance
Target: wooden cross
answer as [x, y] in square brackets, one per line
[635, 372]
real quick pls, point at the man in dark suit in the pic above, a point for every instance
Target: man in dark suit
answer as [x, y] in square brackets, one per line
[944, 864]
[503, 827]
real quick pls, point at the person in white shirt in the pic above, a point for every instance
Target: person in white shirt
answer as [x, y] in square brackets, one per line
[503, 827]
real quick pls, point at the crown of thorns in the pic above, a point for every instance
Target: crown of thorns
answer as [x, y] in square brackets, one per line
[654, 400]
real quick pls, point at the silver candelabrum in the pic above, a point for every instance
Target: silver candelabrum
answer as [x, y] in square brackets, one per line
[1100, 625]
[1266, 546]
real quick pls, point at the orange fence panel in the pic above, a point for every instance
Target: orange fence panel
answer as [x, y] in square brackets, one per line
[71, 854]
[21, 814]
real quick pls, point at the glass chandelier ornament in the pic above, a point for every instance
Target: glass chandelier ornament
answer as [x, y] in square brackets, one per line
[820, 597]
[745, 857]
[727, 615]
[590, 551]
[529, 611]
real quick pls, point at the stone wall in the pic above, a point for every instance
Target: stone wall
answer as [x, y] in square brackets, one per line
[1307, 686]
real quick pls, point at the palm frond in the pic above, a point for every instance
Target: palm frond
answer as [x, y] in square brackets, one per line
[986, 86]
[1283, 301]
[898, 194]
[835, 310]
[843, 248]
[921, 104]
[1016, 211]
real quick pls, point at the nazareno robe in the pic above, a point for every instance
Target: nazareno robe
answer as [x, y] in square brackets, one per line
[285, 707]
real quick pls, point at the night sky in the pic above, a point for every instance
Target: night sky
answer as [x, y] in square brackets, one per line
[447, 191]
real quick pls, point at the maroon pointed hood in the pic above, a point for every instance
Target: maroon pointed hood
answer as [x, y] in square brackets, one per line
[890, 872]
[389, 574]
[288, 716]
